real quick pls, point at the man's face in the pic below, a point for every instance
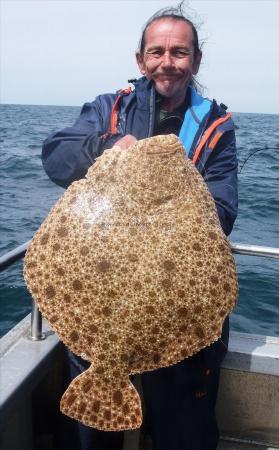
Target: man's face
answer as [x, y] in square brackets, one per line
[168, 57]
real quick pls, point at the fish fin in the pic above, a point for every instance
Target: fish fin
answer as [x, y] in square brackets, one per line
[110, 404]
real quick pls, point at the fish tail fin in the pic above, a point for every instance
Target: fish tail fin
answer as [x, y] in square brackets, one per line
[110, 404]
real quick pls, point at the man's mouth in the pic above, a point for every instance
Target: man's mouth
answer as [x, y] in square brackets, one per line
[167, 76]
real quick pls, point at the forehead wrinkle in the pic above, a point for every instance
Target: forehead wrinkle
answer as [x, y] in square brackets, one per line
[167, 34]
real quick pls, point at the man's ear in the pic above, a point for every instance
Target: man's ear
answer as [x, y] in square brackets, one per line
[140, 61]
[196, 63]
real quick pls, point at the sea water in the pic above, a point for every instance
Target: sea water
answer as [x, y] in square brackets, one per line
[27, 195]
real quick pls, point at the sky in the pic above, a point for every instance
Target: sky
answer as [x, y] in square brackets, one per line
[66, 52]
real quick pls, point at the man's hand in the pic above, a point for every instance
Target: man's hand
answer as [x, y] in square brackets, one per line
[126, 141]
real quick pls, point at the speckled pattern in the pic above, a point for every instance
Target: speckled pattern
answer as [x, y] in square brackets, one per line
[133, 272]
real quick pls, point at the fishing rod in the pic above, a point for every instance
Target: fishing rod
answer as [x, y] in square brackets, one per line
[256, 151]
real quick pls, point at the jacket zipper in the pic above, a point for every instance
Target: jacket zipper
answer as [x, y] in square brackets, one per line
[151, 112]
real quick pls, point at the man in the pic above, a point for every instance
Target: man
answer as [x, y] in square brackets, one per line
[180, 399]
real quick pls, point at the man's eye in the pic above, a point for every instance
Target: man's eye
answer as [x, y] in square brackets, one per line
[154, 53]
[182, 53]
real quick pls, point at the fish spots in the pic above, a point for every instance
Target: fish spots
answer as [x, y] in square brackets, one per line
[166, 283]
[162, 200]
[133, 419]
[214, 279]
[100, 370]
[197, 247]
[62, 232]
[50, 292]
[213, 292]
[93, 328]
[133, 231]
[168, 265]
[133, 258]
[85, 301]
[44, 239]
[137, 286]
[227, 287]
[184, 352]
[155, 330]
[72, 199]
[54, 318]
[100, 422]
[107, 311]
[129, 340]
[86, 386]
[212, 235]
[198, 330]
[84, 250]
[77, 285]
[81, 408]
[112, 294]
[223, 313]
[156, 358]
[70, 399]
[124, 357]
[136, 326]
[103, 266]
[31, 265]
[183, 312]
[181, 293]
[74, 336]
[96, 406]
[67, 298]
[93, 419]
[107, 414]
[113, 337]
[60, 271]
[117, 397]
[197, 309]
[150, 309]
[126, 409]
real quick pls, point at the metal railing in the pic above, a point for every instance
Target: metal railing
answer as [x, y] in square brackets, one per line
[36, 318]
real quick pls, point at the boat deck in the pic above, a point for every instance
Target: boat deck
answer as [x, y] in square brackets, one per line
[223, 445]
[229, 445]
[247, 407]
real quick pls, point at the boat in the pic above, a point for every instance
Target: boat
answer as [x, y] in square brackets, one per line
[31, 358]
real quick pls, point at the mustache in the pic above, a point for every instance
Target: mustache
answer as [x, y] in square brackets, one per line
[167, 74]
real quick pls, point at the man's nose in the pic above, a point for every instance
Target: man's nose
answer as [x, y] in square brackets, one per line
[167, 60]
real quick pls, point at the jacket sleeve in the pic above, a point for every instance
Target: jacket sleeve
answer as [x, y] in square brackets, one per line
[67, 154]
[221, 178]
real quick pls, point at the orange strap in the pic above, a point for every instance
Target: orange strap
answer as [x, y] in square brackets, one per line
[207, 135]
[214, 141]
[114, 115]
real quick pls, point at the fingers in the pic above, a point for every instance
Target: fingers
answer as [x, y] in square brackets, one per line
[126, 141]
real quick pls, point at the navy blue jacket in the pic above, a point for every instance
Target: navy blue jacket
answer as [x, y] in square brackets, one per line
[69, 153]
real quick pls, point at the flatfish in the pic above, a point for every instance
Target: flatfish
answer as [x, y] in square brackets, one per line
[133, 272]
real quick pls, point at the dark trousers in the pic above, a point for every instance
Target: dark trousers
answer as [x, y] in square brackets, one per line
[180, 405]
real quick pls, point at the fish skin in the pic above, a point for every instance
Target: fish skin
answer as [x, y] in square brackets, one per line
[133, 272]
